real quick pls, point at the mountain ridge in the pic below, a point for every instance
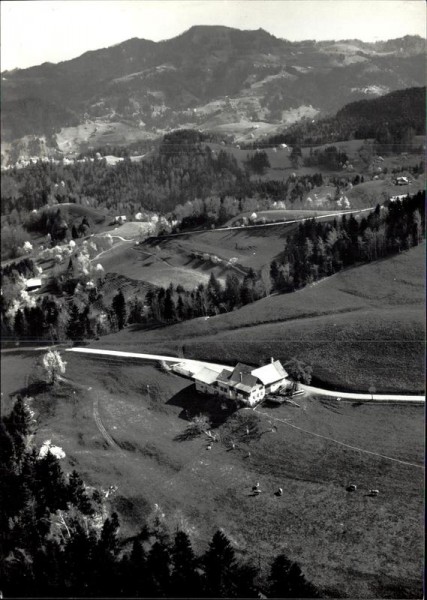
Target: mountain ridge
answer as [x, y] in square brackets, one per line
[388, 42]
[209, 77]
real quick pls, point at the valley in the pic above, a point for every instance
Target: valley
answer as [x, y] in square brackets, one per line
[212, 312]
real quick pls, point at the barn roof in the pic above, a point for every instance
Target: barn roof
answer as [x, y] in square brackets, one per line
[206, 375]
[270, 373]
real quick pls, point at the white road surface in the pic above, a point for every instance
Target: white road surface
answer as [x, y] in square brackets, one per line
[195, 364]
[275, 224]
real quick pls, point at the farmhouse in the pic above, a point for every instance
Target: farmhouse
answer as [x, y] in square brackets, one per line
[243, 382]
[33, 283]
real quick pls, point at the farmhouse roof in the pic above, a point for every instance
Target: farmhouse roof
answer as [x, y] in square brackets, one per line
[33, 282]
[241, 387]
[224, 376]
[242, 374]
[206, 375]
[270, 373]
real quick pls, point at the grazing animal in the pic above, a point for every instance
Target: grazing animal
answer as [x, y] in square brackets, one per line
[255, 487]
[248, 454]
[374, 492]
[256, 491]
[352, 488]
[280, 491]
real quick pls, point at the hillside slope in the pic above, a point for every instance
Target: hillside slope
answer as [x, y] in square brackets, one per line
[359, 328]
[385, 118]
[206, 77]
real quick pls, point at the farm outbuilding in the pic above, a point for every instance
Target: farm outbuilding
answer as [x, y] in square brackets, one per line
[205, 381]
[401, 181]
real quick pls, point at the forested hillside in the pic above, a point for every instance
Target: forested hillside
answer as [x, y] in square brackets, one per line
[391, 120]
[206, 77]
[59, 537]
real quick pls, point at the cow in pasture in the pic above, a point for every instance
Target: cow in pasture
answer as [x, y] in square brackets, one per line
[351, 488]
[374, 492]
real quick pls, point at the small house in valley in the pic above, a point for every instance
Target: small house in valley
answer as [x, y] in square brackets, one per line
[32, 284]
[243, 383]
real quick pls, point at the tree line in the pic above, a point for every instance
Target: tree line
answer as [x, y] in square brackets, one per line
[56, 541]
[316, 250]
[319, 249]
[176, 304]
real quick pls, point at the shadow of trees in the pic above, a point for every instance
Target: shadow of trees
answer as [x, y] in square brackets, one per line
[192, 404]
[32, 389]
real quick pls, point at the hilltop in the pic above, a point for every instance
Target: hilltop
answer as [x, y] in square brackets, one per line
[243, 80]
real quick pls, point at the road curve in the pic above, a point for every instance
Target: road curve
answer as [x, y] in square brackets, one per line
[198, 363]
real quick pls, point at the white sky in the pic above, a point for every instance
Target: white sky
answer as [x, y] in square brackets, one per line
[34, 32]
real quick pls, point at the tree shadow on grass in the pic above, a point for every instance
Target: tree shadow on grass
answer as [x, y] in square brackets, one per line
[192, 404]
[32, 389]
[188, 434]
[217, 410]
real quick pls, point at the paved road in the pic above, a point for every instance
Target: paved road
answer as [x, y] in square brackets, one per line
[197, 363]
[174, 359]
[361, 396]
[275, 224]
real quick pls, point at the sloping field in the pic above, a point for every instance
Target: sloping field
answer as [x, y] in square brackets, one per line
[374, 192]
[252, 247]
[158, 265]
[281, 214]
[98, 133]
[123, 422]
[359, 328]
[162, 261]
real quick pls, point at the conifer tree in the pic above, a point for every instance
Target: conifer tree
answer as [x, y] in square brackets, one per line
[214, 291]
[220, 568]
[76, 326]
[50, 483]
[77, 494]
[158, 569]
[185, 580]
[119, 307]
[287, 580]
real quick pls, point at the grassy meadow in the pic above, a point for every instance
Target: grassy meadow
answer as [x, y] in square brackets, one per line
[123, 422]
[358, 328]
